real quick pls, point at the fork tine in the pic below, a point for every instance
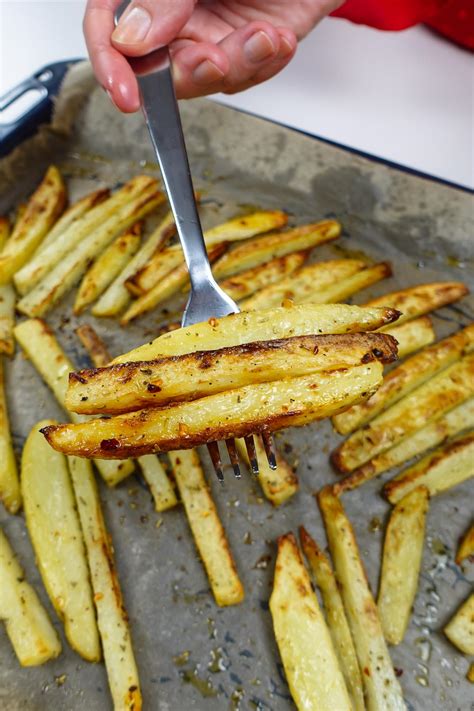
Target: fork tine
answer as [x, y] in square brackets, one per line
[252, 454]
[233, 456]
[270, 450]
[213, 449]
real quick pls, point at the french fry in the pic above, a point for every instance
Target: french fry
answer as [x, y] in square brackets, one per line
[245, 226]
[425, 404]
[107, 266]
[323, 574]
[43, 209]
[466, 546]
[245, 283]
[78, 231]
[460, 629]
[413, 335]
[444, 468]
[382, 690]
[94, 345]
[406, 377]
[278, 485]
[278, 244]
[470, 674]
[65, 275]
[161, 264]
[27, 624]
[452, 423]
[206, 527]
[40, 345]
[133, 386]
[7, 319]
[234, 413]
[5, 231]
[306, 649]
[401, 563]
[112, 618]
[55, 532]
[10, 494]
[265, 325]
[169, 285]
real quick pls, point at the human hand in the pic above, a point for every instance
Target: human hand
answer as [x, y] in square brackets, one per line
[215, 45]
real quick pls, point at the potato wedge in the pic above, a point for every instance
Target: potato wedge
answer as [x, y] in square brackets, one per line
[444, 468]
[234, 413]
[65, 275]
[155, 476]
[245, 283]
[425, 404]
[460, 629]
[7, 319]
[470, 674]
[10, 494]
[27, 624]
[206, 527]
[265, 325]
[306, 649]
[45, 260]
[466, 546]
[413, 335]
[406, 377]
[5, 230]
[40, 345]
[94, 345]
[382, 689]
[112, 618]
[277, 244]
[323, 574]
[107, 266]
[278, 485]
[133, 386]
[55, 532]
[401, 563]
[44, 208]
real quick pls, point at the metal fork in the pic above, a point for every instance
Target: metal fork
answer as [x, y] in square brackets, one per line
[206, 300]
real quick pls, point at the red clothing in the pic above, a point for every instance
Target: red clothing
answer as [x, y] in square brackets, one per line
[452, 18]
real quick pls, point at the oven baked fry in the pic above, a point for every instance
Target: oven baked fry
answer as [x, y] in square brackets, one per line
[460, 628]
[412, 335]
[10, 493]
[466, 546]
[246, 283]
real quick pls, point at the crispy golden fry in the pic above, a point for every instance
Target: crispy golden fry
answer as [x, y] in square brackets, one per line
[401, 563]
[55, 532]
[10, 494]
[133, 386]
[265, 325]
[321, 569]
[460, 629]
[278, 485]
[166, 287]
[206, 527]
[44, 208]
[234, 413]
[382, 690]
[112, 618]
[27, 624]
[406, 377]
[466, 546]
[158, 267]
[5, 230]
[425, 404]
[306, 649]
[45, 353]
[7, 319]
[248, 282]
[413, 335]
[245, 226]
[470, 674]
[66, 274]
[94, 345]
[444, 468]
[421, 299]
[258, 251]
[78, 231]
[107, 266]
[160, 486]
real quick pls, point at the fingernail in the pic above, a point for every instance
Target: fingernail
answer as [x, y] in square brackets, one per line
[109, 94]
[133, 27]
[286, 47]
[258, 47]
[207, 73]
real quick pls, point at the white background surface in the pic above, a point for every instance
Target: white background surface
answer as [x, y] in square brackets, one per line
[407, 97]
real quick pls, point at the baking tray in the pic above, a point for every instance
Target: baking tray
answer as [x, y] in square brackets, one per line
[191, 654]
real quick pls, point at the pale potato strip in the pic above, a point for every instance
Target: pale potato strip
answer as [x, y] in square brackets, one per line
[306, 648]
[10, 494]
[27, 624]
[7, 319]
[412, 335]
[401, 563]
[55, 533]
[248, 282]
[382, 689]
[466, 546]
[446, 467]
[278, 485]
[112, 618]
[206, 527]
[323, 574]
[460, 629]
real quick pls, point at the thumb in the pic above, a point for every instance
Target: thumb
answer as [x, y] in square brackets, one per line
[147, 25]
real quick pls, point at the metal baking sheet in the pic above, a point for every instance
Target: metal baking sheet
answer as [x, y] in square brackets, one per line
[191, 654]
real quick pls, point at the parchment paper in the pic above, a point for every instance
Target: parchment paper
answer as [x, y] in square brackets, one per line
[426, 230]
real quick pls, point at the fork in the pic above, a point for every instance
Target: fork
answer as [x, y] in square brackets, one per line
[206, 299]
